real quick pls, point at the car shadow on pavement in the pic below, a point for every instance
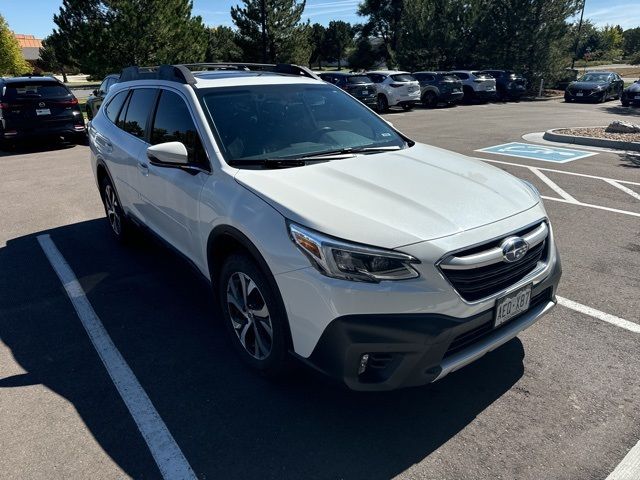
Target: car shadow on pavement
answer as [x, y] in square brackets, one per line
[618, 109]
[36, 146]
[228, 421]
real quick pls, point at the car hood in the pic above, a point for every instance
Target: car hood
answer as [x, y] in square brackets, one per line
[634, 87]
[394, 198]
[588, 85]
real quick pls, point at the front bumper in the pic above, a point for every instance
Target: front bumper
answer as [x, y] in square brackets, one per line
[631, 97]
[587, 95]
[415, 349]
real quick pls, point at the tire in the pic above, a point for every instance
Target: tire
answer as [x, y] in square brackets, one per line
[383, 104]
[603, 98]
[469, 94]
[120, 227]
[430, 99]
[248, 321]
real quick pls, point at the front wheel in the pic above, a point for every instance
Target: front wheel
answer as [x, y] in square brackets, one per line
[254, 316]
[625, 103]
[430, 100]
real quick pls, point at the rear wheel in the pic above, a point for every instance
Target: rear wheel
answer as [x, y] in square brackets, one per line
[383, 104]
[430, 99]
[254, 316]
[118, 223]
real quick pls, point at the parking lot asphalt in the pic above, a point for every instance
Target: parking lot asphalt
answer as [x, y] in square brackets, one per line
[561, 401]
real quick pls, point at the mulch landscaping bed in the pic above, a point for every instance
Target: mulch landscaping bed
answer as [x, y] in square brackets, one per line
[598, 132]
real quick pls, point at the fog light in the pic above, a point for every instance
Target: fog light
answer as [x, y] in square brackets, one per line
[363, 363]
[10, 133]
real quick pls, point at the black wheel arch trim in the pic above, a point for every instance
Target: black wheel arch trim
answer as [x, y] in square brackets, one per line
[248, 245]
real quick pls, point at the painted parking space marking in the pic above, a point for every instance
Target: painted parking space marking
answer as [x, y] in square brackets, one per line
[552, 185]
[605, 317]
[543, 153]
[566, 197]
[629, 467]
[164, 449]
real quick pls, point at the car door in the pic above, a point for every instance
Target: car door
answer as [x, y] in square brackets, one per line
[171, 194]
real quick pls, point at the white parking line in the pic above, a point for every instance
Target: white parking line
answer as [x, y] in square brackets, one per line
[628, 182]
[552, 185]
[589, 205]
[605, 317]
[163, 447]
[629, 467]
[623, 188]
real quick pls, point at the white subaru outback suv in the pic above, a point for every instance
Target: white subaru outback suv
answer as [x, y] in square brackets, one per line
[327, 235]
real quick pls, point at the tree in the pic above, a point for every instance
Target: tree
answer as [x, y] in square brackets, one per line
[275, 28]
[11, 60]
[53, 57]
[222, 45]
[107, 35]
[631, 41]
[365, 55]
[316, 39]
[338, 37]
[384, 20]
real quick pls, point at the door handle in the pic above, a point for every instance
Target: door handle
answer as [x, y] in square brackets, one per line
[143, 168]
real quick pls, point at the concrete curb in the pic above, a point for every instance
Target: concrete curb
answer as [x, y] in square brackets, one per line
[552, 136]
[542, 99]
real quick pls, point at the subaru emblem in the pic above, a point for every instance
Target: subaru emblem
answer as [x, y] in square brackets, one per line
[41, 104]
[513, 249]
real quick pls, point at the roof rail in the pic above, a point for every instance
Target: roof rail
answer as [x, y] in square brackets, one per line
[172, 73]
[284, 68]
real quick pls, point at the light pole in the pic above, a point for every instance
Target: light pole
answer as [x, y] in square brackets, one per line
[575, 52]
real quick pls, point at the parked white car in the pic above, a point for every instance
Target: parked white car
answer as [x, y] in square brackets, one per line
[327, 235]
[395, 88]
[476, 85]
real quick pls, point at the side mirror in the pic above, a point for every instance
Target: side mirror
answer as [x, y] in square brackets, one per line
[169, 154]
[95, 92]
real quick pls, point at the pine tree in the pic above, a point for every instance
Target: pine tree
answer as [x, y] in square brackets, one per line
[222, 45]
[11, 60]
[337, 39]
[271, 31]
[107, 35]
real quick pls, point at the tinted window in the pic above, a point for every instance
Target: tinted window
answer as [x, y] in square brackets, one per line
[173, 123]
[376, 78]
[35, 89]
[114, 106]
[140, 105]
[103, 87]
[273, 121]
[461, 76]
[594, 77]
[358, 79]
[110, 82]
[403, 77]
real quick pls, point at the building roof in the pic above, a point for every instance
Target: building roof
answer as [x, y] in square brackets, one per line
[30, 46]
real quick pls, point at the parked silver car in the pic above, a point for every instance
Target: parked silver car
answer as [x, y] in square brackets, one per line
[476, 85]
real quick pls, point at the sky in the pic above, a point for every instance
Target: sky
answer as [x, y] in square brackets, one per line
[36, 16]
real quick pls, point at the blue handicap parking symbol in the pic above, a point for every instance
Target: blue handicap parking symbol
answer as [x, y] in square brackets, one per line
[538, 152]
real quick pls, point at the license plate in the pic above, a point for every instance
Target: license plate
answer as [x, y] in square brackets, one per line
[43, 111]
[579, 94]
[512, 305]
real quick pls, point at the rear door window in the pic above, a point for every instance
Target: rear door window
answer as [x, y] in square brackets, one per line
[173, 123]
[137, 115]
[461, 76]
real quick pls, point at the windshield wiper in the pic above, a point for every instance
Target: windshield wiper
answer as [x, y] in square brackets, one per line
[347, 152]
[269, 162]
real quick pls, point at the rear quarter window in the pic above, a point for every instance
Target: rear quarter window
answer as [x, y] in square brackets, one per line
[115, 105]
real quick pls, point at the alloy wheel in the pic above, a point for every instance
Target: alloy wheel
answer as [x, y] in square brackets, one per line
[249, 315]
[111, 206]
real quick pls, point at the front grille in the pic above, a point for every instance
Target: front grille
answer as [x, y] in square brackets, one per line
[481, 282]
[467, 339]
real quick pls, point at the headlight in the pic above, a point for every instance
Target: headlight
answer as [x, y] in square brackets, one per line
[531, 187]
[348, 261]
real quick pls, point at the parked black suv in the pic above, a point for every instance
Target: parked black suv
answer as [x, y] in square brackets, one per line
[358, 86]
[439, 87]
[95, 99]
[509, 85]
[38, 107]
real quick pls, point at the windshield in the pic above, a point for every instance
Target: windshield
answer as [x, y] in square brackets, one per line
[403, 77]
[594, 77]
[35, 89]
[358, 79]
[260, 122]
